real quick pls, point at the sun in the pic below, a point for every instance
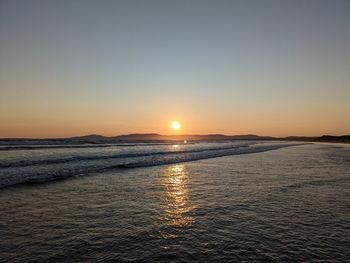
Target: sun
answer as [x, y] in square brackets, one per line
[176, 125]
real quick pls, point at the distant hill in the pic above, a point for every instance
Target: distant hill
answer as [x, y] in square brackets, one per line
[156, 138]
[207, 137]
[330, 138]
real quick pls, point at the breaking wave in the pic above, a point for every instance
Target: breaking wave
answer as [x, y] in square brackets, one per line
[44, 170]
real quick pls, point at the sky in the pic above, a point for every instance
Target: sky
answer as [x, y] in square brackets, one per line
[115, 67]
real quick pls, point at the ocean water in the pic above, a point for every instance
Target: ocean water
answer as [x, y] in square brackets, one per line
[41, 163]
[204, 202]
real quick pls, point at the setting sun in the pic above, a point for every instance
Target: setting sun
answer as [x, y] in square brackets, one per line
[176, 125]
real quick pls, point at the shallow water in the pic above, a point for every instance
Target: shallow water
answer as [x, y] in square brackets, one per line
[47, 162]
[285, 205]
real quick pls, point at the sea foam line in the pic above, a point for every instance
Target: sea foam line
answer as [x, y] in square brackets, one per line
[24, 163]
[21, 178]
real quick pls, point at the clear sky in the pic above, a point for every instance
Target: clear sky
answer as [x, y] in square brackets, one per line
[114, 67]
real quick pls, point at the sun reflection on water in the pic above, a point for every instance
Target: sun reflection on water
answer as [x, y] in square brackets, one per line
[176, 196]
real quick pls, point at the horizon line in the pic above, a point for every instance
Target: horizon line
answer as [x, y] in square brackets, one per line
[168, 135]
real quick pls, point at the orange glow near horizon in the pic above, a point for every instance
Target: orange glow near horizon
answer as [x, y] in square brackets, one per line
[75, 125]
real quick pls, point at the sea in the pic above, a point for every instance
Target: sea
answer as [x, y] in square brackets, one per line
[232, 201]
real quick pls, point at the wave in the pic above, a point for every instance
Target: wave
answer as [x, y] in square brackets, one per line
[43, 147]
[24, 163]
[203, 155]
[39, 174]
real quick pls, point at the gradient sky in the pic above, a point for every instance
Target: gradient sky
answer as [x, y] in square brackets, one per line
[114, 67]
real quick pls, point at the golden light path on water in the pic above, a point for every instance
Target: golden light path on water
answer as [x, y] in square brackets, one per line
[176, 196]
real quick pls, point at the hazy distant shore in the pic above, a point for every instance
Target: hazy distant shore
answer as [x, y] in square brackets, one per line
[153, 138]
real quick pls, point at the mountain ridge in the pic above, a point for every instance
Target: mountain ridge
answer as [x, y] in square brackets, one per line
[155, 137]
